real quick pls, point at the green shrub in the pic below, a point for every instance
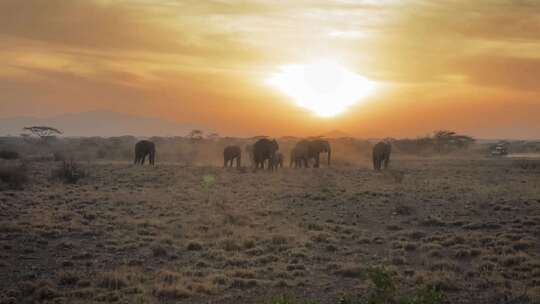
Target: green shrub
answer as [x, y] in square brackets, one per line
[383, 282]
[425, 295]
[284, 299]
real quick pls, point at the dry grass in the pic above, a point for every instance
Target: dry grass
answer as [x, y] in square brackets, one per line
[163, 235]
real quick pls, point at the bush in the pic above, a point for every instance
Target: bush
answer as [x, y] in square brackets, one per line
[284, 299]
[101, 154]
[384, 285]
[14, 177]
[69, 172]
[8, 154]
[59, 156]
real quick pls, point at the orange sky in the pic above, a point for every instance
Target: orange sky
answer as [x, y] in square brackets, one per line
[469, 66]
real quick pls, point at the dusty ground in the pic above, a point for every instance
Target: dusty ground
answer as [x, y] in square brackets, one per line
[208, 235]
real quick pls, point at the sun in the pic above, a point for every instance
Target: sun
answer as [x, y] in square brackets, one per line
[323, 87]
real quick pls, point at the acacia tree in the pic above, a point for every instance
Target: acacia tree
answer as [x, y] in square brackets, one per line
[43, 132]
[195, 135]
[444, 139]
[212, 136]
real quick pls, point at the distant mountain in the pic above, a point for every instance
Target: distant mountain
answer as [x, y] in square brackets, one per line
[100, 123]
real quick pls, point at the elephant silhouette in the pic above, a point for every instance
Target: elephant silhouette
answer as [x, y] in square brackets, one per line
[143, 149]
[264, 149]
[305, 150]
[230, 154]
[381, 155]
[298, 157]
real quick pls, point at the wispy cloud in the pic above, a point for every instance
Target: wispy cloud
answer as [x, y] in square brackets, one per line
[190, 54]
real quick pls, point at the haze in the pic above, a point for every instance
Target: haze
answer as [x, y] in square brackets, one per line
[468, 66]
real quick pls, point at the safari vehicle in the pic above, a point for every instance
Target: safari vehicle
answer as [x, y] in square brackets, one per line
[500, 149]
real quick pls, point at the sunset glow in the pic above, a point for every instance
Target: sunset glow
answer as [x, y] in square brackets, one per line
[323, 87]
[245, 67]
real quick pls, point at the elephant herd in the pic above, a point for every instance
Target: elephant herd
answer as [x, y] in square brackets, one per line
[265, 152]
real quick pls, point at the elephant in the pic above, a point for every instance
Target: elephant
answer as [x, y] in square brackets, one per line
[278, 161]
[231, 153]
[145, 148]
[264, 149]
[308, 149]
[381, 155]
[297, 159]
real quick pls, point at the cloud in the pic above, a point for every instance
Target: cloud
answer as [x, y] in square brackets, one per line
[506, 72]
[178, 57]
[85, 24]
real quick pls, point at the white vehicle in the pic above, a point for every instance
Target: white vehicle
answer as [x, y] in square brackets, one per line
[499, 150]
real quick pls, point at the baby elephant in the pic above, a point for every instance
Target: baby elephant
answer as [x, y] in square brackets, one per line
[381, 155]
[230, 154]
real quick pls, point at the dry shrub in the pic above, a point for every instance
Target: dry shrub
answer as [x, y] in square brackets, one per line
[194, 246]
[166, 292]
[112, 281]
[159, 251]
[69, 172]
[14, 177]
[59, 156]
[350, 271]
[168, 277]
[527, 164]
[439, 280]
[68, 278]
[534, 294]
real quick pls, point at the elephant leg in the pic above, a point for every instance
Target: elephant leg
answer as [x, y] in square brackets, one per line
[305, 161]
[238, 162]
[316, 161]
[143, 159]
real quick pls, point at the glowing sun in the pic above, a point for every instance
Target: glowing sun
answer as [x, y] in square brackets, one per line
[323, 87]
